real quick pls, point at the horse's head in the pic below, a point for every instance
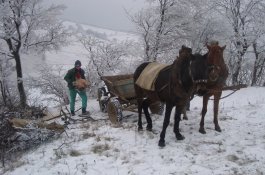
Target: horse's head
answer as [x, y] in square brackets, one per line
[194, 66]
[215, 61]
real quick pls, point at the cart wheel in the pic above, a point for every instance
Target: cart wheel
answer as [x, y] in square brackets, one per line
[102, 101]
[114, 111]
[157, 108]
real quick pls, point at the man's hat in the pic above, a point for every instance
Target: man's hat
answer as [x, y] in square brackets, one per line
[77, 63]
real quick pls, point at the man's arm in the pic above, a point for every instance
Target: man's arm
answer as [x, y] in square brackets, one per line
[67, 77]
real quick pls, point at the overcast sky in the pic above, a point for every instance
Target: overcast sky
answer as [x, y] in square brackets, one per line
[103, 13]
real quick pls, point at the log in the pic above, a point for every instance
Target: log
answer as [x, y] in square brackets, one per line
[22, 123]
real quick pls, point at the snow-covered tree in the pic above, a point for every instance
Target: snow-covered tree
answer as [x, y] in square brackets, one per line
[26, 25]
[104, 57]
[51, 83]
[258, 73]
[246, 28]
[168, 24]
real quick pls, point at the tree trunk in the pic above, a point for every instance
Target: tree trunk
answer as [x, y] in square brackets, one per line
[21, 90]
[3, 92]
[238, 68]
[163, 8]
[255, 69]
[240, 55]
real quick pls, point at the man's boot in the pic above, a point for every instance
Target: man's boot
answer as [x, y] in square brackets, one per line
[72, 113]
[84, 112]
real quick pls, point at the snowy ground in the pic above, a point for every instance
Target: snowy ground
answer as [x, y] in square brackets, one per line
[98, 148]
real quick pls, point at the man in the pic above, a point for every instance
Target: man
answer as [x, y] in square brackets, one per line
[72, 76]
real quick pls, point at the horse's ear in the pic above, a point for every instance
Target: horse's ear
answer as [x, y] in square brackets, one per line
[223, 48]
[192, 57]
[183, 47]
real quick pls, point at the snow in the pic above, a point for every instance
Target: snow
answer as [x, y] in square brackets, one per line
[100, 148]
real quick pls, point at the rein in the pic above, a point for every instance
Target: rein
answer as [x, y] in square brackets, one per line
[223, 96]
[226, 95]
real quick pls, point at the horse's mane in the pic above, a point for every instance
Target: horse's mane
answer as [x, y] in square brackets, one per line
[180, 72]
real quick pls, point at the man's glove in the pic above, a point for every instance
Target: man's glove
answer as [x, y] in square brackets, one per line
[81, 89]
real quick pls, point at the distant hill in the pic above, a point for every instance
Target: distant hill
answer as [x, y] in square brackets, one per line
[67, 55]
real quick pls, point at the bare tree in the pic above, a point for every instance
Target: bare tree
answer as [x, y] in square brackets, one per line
[25, 25]
[152, 24]
[104, 57]
[50, 82]
[145, 23]
[259, 65]
[168, 24]
[243, 18]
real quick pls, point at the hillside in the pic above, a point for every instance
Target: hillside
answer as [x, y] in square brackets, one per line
[99, 148]
[66, 56]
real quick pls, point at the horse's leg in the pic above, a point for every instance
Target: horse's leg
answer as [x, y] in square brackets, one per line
[176, 124]
[140, 106]
[146, 104]
[216, 106]
[161, 142]
[184, 112]
[204, 110]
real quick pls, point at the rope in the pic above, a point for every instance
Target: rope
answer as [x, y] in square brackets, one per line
[232, 88]
[220, 91]
[226, 95]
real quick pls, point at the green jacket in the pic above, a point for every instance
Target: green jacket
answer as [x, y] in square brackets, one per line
[70, 77]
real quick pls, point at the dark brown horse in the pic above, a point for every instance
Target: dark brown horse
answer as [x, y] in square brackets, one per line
[174, 86]
[217, 75]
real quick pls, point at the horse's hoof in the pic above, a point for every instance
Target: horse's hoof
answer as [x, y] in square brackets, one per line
[140, 128]
[180, 137]
[202, 131]
[148, 129]
[161, 143]
[218, 129]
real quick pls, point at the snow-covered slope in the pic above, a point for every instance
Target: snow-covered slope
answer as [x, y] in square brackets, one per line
[99, 148]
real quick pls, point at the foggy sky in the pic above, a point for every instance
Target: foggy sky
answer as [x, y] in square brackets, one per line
[103, 13]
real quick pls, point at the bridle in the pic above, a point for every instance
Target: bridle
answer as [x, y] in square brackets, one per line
[214, 69]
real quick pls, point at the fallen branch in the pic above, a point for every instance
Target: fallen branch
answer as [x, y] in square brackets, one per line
[23, 123]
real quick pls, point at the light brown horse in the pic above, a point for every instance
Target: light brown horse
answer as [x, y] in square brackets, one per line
[217, 75]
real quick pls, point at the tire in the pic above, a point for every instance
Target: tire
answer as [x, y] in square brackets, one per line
[102, 101]
[157, 108]
[114, 111]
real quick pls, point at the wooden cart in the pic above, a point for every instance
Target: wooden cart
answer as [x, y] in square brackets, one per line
[119, 95]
